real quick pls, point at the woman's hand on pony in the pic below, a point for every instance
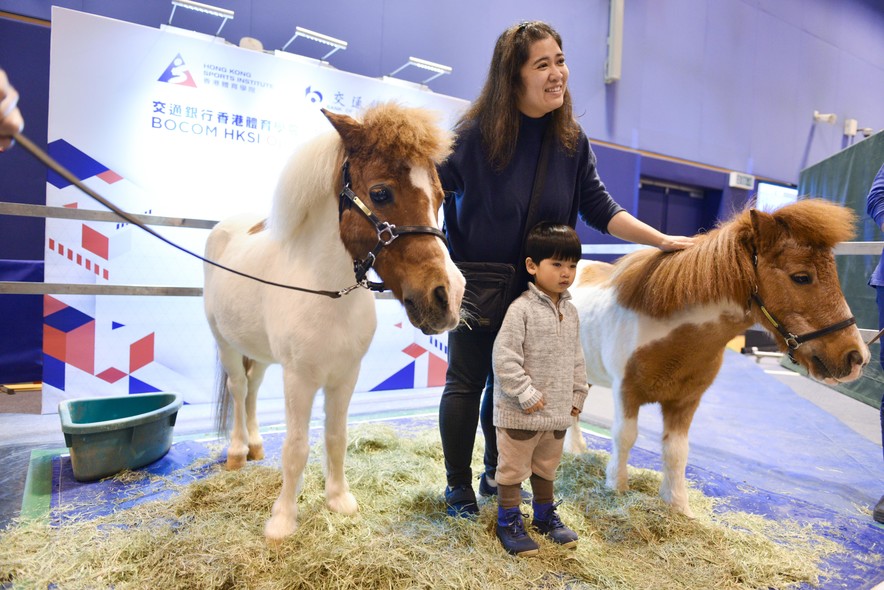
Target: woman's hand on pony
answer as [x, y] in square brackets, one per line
[673, 243]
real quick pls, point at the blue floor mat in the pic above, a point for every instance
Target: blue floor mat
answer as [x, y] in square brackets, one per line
[754, 429]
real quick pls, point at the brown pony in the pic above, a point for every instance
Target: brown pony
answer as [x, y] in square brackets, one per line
[654, 325]
[365, 192]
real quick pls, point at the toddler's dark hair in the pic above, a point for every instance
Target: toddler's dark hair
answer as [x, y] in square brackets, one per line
[552, 240]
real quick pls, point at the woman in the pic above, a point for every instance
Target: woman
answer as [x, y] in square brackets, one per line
[489, 179]
[10, 117]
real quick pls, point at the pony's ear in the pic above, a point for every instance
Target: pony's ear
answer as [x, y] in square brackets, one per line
[347, 127]
[765, 229]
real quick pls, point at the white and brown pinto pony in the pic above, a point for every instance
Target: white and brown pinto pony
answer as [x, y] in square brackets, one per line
[366, 192]
[654, 325]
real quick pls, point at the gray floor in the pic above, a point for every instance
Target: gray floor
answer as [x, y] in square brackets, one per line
[21, 433]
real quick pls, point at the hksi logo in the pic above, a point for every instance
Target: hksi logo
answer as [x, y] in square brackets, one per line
[177, 73]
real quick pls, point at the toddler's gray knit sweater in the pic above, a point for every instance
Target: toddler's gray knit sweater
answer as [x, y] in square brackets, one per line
[537, 354]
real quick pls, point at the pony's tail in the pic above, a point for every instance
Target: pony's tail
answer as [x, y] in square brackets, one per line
[223, 416]
[222, 402]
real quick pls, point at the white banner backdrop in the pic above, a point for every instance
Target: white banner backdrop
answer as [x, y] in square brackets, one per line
[171, 123]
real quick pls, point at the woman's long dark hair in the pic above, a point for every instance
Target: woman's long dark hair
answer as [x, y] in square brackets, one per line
[496, 110]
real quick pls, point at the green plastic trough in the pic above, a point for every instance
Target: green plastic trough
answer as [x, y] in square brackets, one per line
[106, 435]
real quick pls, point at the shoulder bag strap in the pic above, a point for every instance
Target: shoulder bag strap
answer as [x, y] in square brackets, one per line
[521, 275]
[539, 179]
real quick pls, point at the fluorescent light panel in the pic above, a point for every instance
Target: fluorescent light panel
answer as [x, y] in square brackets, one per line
[336, 44]
[423, 64]
[222, 13]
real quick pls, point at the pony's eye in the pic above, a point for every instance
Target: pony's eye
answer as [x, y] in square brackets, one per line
[801, 279]
[380, 194]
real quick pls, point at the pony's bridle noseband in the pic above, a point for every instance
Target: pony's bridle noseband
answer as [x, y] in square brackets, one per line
[387, 232]
[793, 341]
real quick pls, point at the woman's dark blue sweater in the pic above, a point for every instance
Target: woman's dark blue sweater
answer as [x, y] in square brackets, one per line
[485, 210]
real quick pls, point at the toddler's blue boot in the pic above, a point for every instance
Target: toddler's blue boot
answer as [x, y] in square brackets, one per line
[512, 534]
[547, 522]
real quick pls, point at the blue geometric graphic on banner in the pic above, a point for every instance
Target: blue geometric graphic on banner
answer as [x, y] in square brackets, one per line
[67, 319]
[138, 386]
[81, 165]
[53, 372]
[404, 379]
[115, 325]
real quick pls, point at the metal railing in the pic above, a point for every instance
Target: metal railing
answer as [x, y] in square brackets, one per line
[31, 288]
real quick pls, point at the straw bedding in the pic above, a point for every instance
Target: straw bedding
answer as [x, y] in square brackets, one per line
[209, 534]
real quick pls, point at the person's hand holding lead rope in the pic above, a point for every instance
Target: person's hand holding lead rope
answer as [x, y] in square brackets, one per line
[11, 120]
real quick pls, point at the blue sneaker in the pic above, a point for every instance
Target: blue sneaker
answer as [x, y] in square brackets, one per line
[487, 490]
[460, 501]
[512, 535]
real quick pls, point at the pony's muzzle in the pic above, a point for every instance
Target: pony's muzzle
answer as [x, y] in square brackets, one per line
[431, 311]
[848, 368]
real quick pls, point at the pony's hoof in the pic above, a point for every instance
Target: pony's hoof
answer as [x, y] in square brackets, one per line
[279, 527]
[678, 504]
[235, 462]
[345, 504]
[256, 452]
[686, 510]
[617, 486]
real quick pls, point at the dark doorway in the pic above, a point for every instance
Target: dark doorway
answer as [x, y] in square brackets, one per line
[675, 209]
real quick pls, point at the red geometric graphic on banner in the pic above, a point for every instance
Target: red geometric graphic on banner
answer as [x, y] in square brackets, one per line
[111, 375]
[110, 177]
[436, 371]
[95, 242]
[80, 347]
[414, 350]
[69, 336]
[51, 305]
[141, 353]
[55, 343]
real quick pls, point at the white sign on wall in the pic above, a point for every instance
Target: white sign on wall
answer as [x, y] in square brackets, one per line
[182, 126]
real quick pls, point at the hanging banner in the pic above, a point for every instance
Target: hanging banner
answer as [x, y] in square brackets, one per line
[172, 123]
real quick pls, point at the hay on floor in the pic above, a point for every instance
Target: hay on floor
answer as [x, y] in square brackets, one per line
[210, 535]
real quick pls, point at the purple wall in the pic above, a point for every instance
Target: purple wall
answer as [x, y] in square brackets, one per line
[729, 83]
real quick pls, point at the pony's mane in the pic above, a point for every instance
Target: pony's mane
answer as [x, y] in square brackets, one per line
[389, 131]
[405, 134]
[719, 266]
[306, 181]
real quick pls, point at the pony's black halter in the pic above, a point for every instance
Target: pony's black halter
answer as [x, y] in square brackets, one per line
[387, 232]
[793, 341]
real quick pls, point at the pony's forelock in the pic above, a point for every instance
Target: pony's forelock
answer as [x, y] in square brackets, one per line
[405, 133]
[817, 222]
